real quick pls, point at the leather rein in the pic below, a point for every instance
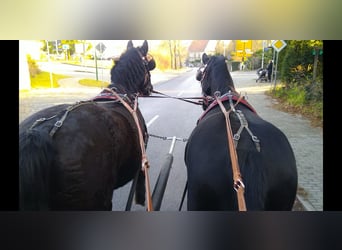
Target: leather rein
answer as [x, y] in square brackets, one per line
[238, 184]
[144, 161]
[186, 99]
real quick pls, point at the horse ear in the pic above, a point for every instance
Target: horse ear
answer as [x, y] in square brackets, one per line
[205, 58]
[129, 44]
[144, 48]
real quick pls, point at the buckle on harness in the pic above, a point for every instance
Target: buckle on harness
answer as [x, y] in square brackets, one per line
[238, 184]
[58, 124]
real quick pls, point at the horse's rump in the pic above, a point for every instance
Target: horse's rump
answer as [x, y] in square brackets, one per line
[92, 139]
[264, 173]
[265, 158]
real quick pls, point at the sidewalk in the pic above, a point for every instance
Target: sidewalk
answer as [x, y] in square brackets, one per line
[71, 91]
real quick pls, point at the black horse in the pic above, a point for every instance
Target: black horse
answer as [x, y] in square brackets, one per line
[72, 157]
[265, 157]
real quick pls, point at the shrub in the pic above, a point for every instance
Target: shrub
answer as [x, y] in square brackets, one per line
[33, 67]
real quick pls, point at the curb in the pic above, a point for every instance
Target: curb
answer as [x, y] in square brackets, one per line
[307, 206]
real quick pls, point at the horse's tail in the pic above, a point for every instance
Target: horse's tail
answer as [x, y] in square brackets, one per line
[140, 191]
[36, 158]
[254, 178]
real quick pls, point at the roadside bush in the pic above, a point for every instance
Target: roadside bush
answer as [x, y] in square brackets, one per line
[33, 67]
[295, 98]
[301, 91]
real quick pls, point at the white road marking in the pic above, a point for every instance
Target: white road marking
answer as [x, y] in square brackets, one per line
[152, 120]
[180, 93]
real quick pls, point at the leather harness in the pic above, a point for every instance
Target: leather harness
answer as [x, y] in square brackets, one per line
[233, 139]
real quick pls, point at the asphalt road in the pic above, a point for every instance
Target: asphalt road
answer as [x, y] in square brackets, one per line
[169, 117]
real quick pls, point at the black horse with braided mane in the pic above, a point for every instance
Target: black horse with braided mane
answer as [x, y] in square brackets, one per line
[265, 159]
[72, 157]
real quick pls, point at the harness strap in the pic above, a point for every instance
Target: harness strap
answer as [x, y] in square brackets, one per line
[104, 95]
[144, 161]
[40, 120]
[238, 184]
[244, 124]
[59, 123]
[225, 97]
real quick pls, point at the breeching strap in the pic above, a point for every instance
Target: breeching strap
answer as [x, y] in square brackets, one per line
[144, 160]
[238, 184]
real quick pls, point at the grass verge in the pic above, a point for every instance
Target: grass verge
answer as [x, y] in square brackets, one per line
[293, 101]
[45, 80]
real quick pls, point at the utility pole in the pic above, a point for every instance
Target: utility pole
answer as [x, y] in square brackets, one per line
[56, 44]
[224, 48]
[48, 56]
[316, 54]
[97, 77]
[263, 54]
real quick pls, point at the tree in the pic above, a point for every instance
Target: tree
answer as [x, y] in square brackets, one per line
[171, 55]
[297, 61]
[175, 54]
[56, 46]
[297, 64]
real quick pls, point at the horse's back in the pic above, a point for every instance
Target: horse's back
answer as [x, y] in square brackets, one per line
[91, 152]
[269, 174]
[43, 113]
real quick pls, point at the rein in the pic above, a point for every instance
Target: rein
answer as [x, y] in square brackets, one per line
[179, 98]
[238, 184]
[144, 161]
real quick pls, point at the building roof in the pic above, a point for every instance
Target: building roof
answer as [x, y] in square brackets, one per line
[211, 47]
[198, 45]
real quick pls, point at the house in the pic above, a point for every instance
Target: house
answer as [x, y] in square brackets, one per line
[197, 48]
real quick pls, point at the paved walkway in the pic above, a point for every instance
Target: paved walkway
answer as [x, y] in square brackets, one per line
[69, 92]
[307, 144]
[306, 140]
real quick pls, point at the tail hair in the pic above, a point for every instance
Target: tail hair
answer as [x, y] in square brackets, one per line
[36, 160]
[140, 191]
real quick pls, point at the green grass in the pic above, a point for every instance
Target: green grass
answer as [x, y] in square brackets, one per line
[93, 83]
[43, 80]
[293, 100]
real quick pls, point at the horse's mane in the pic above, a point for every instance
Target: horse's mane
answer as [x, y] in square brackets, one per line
[128, 71]
[217, 65]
